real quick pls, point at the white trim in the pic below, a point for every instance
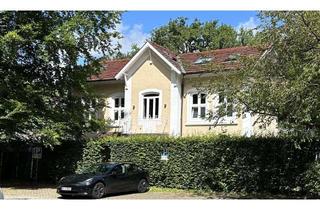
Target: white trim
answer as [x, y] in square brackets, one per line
[146, 46]
[175, 101]
[149, 125]
[127, 104]
[166, 60]
[225, 119]
[191, 120]
[111, 102]
[141, 94]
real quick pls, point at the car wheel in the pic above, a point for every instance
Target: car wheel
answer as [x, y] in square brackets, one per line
[143, 186]
[98, 190]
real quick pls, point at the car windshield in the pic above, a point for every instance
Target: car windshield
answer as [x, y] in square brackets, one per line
[99, 168]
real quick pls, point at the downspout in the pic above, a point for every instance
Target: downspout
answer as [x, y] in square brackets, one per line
[181, 111]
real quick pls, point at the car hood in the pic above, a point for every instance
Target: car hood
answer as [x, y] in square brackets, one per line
[76, 178]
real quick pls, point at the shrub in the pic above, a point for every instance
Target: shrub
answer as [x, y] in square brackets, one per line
[312, 179]
[219, 163]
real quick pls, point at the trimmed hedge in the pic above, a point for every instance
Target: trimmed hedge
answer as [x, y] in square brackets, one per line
[218, 163]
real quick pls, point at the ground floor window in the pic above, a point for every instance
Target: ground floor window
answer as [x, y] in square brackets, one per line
[198, 106]
[151, 106]
[118, 108]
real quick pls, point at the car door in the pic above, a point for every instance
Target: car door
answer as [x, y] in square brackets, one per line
[133, 176]
[119, 180]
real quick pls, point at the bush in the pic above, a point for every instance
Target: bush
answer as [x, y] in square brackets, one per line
[219, 163]
[312, 179]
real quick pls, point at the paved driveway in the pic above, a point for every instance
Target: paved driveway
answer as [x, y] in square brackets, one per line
[50, 193]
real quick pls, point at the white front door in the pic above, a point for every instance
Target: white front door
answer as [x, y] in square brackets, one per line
[150, 116]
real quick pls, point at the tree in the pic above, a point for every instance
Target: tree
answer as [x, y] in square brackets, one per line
[245, 37]
[45, 60]
[181, 37]
[130, 54]
[284, 81]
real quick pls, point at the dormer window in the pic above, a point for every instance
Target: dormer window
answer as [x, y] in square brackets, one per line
[203, 60]
[233, 57]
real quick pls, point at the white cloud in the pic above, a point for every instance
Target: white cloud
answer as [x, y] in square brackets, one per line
[252, 23]
[131, 35]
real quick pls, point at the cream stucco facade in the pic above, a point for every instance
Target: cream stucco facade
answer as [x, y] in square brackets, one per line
[158, 100]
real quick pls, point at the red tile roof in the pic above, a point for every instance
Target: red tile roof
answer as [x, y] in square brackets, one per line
[169, 55]
[110, 69]
[219, 57]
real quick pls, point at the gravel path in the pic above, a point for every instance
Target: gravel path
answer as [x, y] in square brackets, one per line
[50, 193]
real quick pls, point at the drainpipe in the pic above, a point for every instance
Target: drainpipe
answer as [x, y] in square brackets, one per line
[181, 111]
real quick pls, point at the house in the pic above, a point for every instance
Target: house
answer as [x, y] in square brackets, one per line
[156, 92]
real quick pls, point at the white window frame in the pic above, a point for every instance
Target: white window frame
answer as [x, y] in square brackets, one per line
[146, 109]
[198, 120]
[141, 104]
[226, 119]
[119, 109]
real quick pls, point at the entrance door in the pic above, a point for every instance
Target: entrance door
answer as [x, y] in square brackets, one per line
[151, 112]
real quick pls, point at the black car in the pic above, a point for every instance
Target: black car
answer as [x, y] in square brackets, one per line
[103, 179]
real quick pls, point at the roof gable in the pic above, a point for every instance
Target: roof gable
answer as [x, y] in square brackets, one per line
[182, 63]
[164, 54]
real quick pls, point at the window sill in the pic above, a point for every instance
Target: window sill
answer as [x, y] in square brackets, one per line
[206, 123]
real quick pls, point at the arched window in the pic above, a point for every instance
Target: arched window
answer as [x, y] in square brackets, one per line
[151, 105]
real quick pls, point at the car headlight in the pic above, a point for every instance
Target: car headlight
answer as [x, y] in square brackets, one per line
[86, 182]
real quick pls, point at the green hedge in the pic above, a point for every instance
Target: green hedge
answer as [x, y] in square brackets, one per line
[219, 163]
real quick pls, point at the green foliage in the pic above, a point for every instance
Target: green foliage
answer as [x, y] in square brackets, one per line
[93, 153]
[283, 82]
[181, 37]
[312, 179]
[217, 163]
[130, 54]
[60, 161]
[45, 60]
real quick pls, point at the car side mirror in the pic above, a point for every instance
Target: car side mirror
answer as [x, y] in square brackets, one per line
[113, 173]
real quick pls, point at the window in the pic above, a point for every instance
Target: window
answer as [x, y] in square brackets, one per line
[198, 105]
[226, 104]
[151, 106]
[203, 60]
[118, 110]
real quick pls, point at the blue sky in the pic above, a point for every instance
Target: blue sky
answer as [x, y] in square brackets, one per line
[136, 26]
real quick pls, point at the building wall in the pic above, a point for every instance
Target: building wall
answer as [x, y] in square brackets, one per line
[196, 129]
[151, 75]
[237, 127]
[106, 90]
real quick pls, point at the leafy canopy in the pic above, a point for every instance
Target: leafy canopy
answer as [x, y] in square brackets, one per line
[45, 60]
[284, 82]
[181, 37]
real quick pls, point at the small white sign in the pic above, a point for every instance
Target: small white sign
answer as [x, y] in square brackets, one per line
[164, 156]
[66, 188]
[37, 152]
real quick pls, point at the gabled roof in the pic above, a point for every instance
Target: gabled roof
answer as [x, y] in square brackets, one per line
[163, 53]
[169, 55]
[182, 63]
